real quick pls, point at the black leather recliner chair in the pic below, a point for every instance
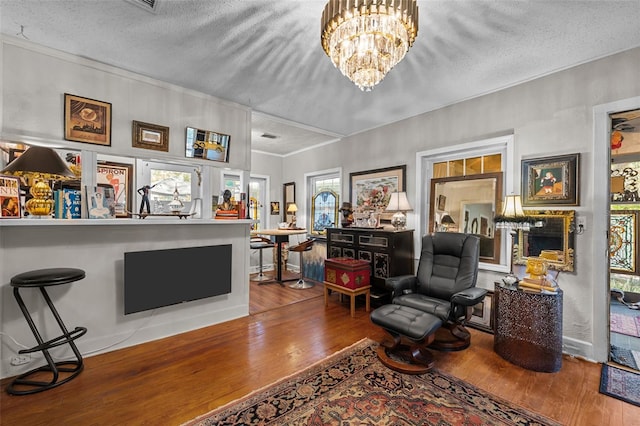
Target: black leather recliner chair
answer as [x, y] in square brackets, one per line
[445, 286]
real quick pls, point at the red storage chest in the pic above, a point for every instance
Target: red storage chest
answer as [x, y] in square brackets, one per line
[347, 272]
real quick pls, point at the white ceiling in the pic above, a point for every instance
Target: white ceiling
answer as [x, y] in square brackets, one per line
[267, 54]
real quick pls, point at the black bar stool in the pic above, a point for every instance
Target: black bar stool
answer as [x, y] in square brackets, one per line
[41, 278]
[261, 243]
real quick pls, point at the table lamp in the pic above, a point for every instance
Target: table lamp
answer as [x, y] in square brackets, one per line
[292, 209]
[400, 204]
[447, 221]
[41, 164]
[512, 218]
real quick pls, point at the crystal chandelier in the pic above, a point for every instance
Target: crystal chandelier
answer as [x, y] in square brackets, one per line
[366, 38]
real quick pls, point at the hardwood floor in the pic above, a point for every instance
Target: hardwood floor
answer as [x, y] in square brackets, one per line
[170, 381]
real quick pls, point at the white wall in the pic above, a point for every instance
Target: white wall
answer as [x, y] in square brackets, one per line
[552, 115]
[34, 81]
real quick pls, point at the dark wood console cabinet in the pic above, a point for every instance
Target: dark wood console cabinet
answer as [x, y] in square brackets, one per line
[390, 253]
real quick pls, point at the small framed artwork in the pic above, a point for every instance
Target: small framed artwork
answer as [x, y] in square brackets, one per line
[207, 145]
[482, 314]
[442, 202]
[87, 120]
[551, 181]
[119, 176]
[372, 189]
[150, 136]
[275, 208]
[10, 197]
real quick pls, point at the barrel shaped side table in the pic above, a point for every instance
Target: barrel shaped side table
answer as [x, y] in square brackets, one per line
[528, 330]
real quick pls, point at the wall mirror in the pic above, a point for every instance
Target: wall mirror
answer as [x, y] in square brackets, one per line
[553, 241]
[468, 204]
[288, 197]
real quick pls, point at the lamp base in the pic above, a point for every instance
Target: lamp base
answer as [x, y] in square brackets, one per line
[399, 221]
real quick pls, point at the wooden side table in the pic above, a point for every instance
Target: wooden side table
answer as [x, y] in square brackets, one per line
[528, 329]
[366, 290]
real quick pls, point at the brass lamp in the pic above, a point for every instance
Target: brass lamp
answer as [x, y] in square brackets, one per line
[41, 164]
[512, 218]
[292, 209]
[400, 204]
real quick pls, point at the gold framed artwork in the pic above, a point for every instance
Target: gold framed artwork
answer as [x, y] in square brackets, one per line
[150, 136]
[372, 189]
[551, 181]
[87, 120]
[119, 176]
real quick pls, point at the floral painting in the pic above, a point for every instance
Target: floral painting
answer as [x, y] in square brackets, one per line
[371, 190]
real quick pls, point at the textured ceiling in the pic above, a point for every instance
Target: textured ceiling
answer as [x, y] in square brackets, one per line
[267, 54]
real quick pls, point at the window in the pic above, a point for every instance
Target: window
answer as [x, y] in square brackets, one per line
[322, 202]
[463, 162]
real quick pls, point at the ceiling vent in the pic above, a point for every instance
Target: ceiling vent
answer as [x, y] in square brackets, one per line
[148, 5]
[268, 136]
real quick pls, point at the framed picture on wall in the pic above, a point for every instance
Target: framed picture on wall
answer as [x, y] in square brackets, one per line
[207, 145]
[87, 120]
[551, 181]
[150, 136]
[372, 189]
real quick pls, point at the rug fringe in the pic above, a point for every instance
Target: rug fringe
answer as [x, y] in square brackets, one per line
[361, 343]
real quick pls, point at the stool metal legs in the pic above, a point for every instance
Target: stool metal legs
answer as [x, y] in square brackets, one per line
[301, 284]
[22, 385]
[261, 276]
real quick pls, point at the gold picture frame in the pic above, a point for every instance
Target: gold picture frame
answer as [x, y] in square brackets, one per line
[551, 181]
[150, 136]
[87, 120]
[372, 189]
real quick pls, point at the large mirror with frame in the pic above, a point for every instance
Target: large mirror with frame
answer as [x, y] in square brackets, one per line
[553, 241]
[288, 197]
[468, 204]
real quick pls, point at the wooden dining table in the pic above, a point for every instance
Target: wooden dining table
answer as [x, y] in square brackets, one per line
[281, 235]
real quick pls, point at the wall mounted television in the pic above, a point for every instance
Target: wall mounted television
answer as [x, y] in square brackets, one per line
[157, 278]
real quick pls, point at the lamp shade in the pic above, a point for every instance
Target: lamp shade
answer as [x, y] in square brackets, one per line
[447, 220]
[39, 160]
[398, 202]
[512, 207]
[292, 208]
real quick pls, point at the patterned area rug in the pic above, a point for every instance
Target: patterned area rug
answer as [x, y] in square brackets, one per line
[625, 357]
[352, 387]
[625, 324]
[620, 384]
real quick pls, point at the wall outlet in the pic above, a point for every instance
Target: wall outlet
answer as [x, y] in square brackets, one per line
[581, 221]
[20, 360]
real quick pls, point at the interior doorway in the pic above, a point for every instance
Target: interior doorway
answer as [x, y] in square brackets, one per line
[624, 221]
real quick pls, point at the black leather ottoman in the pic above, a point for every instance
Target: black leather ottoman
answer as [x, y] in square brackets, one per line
[412, 331]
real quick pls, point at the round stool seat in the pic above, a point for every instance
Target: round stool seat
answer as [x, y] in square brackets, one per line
[47, 277]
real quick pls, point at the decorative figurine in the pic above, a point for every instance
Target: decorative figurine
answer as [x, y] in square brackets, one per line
[144, 191]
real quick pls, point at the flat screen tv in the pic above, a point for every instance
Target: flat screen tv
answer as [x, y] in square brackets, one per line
[157, 278]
